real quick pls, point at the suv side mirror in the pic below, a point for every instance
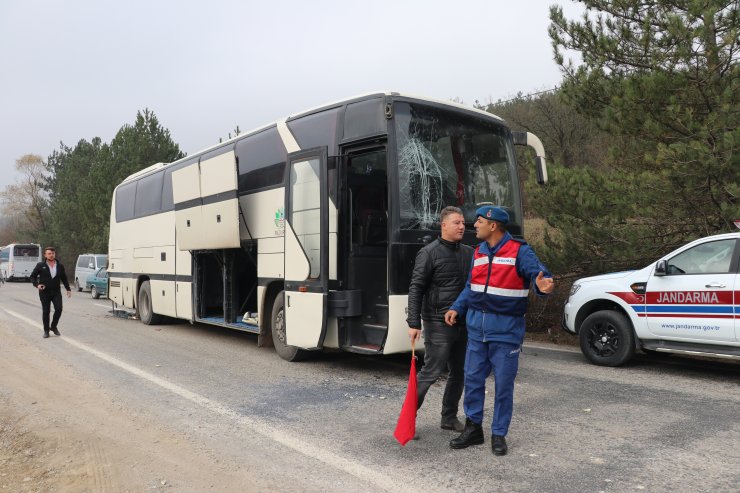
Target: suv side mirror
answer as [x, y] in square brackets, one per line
[661, 268]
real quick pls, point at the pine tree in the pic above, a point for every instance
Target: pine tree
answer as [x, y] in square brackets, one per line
[83, 179]
[661, 79]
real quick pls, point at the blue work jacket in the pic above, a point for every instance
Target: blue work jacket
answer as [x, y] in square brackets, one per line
[492, 317]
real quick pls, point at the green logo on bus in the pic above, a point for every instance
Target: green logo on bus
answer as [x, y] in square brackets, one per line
[280, 217]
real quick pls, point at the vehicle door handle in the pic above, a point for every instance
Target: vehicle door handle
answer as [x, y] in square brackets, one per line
[715, 285]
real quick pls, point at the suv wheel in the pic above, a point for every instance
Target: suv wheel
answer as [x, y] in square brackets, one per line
[606, 338]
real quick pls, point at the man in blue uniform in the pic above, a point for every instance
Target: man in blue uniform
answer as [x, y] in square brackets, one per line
[494, 302]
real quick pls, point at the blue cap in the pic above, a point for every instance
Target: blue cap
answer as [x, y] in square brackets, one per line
[493, 213]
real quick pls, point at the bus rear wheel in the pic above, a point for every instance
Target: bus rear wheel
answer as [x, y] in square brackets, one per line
[288, 353]
[144, 306]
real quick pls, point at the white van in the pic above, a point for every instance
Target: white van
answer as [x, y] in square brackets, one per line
[17, 260]
[88, 263]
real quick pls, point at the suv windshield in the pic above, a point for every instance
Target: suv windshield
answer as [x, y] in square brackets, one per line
[452, 158]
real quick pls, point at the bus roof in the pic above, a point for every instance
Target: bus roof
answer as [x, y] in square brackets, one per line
[316, 109]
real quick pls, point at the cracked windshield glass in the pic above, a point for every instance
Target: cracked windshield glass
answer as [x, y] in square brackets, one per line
[447, 158]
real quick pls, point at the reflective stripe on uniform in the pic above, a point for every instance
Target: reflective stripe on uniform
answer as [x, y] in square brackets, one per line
[480, 261]
[513, 293]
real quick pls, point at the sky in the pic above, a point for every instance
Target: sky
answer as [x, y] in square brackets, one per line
[79, 69]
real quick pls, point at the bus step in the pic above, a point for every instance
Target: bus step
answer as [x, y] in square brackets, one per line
[375, 326]
[381, 313]
[364, 348]
[372, 335]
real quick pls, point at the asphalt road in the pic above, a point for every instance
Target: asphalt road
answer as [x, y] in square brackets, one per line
[659, 424]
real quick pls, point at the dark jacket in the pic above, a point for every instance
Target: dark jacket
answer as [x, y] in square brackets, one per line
[440, 272]
[42, 275]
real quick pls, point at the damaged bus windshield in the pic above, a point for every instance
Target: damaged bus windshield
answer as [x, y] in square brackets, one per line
[452, 158]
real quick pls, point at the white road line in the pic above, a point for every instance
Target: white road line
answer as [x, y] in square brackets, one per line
[548, 348]
[378, 478]
[100, 304]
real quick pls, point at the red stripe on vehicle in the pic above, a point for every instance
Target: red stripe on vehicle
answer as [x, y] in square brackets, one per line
[630, 297]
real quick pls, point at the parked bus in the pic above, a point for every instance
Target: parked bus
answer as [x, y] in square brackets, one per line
[17, 260]
[305, 231]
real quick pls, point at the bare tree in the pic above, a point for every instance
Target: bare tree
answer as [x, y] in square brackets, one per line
[24, 202]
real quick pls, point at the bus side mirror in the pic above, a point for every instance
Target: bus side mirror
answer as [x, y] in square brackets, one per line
[541, 169]
[531, 140]
[661, 268]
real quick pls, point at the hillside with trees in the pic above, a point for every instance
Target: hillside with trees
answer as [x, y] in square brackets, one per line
[641, 135]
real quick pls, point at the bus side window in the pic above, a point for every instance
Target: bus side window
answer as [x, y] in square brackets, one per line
[125, 197]
[148, 195]
[261, 159]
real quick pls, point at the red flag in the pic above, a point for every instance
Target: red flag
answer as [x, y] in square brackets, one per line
[406, 427]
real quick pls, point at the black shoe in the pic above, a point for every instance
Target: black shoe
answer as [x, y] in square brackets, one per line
[46, 335]
[471, 435]
[56, 332]
[452, 424]
[498, 446]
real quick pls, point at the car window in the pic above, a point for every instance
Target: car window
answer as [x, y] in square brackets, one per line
[102, 273]
[82, 261]
[708, 258]
[100, 259]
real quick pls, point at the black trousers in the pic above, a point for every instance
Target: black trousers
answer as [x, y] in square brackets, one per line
[444, 354]
[48, 297]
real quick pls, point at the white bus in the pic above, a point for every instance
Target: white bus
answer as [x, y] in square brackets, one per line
[17, 260]
[305, 231]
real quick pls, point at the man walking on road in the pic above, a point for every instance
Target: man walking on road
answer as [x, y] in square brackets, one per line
[438, 277]
[47, 277]
[495, 301]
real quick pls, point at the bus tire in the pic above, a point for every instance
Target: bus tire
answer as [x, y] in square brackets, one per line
[277, 323]
[144, 305]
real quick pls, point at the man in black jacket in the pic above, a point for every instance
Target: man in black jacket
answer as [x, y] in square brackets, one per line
[46, 277]
[439, 275]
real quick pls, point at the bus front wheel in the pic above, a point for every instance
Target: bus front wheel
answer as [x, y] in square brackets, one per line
[288, 353]
[144, 306]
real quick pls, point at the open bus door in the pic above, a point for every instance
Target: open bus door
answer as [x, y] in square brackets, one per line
[306, 248]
